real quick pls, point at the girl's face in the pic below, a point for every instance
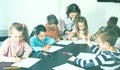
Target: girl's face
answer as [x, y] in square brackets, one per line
[41, 36]
[73, 15]
[16, 35]
[81, 26]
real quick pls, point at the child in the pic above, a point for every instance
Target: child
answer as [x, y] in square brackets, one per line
[52, 29]
[16, 45]
[108, 57]
[81, 30]
[110, 25]
[112, 21]
[39, 41]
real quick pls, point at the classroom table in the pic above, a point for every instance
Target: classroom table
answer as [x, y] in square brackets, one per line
[57, 58]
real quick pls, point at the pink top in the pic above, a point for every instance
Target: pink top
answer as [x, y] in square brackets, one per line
[8, 49]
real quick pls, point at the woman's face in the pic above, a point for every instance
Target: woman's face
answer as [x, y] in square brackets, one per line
[73, 15]
[41, 36]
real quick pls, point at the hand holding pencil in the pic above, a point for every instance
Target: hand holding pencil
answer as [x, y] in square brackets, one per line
[16, 59]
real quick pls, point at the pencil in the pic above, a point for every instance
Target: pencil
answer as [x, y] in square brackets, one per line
[11, 67]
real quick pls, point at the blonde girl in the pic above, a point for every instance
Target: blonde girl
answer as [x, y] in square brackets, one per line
[81, 28]
[17, 45]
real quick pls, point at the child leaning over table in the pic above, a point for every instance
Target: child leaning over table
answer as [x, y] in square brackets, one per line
[81, 29]
[52, 29]
[39, 41]
[16, 45]
[107, 58]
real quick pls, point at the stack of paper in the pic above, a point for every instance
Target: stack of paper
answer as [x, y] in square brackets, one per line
[54, 48]
[67, 66]
[26, 63]
[64, 42]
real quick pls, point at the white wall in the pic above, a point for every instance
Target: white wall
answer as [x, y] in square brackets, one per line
[1, 15]
[96, 13]
[33, 12]
[30, 12]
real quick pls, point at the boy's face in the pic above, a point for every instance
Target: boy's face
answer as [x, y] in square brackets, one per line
[41, 36]
[16, 35]
[103, 45]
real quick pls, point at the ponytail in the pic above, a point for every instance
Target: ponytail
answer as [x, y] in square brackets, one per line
[20, 27]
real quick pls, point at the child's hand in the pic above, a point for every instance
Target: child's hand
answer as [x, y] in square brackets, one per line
[17, 59]
[25, 56]
[74, 39]
[46, 47]
[72, 58]
[87, 39]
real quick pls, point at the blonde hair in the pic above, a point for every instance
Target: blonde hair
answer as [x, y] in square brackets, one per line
[109, 36]
[20, 27]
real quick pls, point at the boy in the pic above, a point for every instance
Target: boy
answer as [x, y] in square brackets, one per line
[107, 57]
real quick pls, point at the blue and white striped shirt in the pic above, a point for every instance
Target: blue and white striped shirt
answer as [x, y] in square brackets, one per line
[106, 59]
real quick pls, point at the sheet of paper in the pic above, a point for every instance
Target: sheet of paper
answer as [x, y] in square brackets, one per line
[67, 66]
[64, 42]
[26, 63]
[82, 41]
[86, 56]
[55, 48]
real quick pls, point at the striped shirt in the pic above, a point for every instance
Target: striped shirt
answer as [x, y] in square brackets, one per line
[106, 59]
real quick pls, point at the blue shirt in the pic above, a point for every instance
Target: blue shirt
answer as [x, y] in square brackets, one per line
[37, 44]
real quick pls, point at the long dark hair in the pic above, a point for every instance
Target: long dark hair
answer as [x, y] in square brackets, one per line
[73, 8]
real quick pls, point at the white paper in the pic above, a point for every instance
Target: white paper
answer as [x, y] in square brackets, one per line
[55, 48]
[64, 42]
[95, 43]
[26, 63]
[82, 41]
[86, 56]
[67, 66]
